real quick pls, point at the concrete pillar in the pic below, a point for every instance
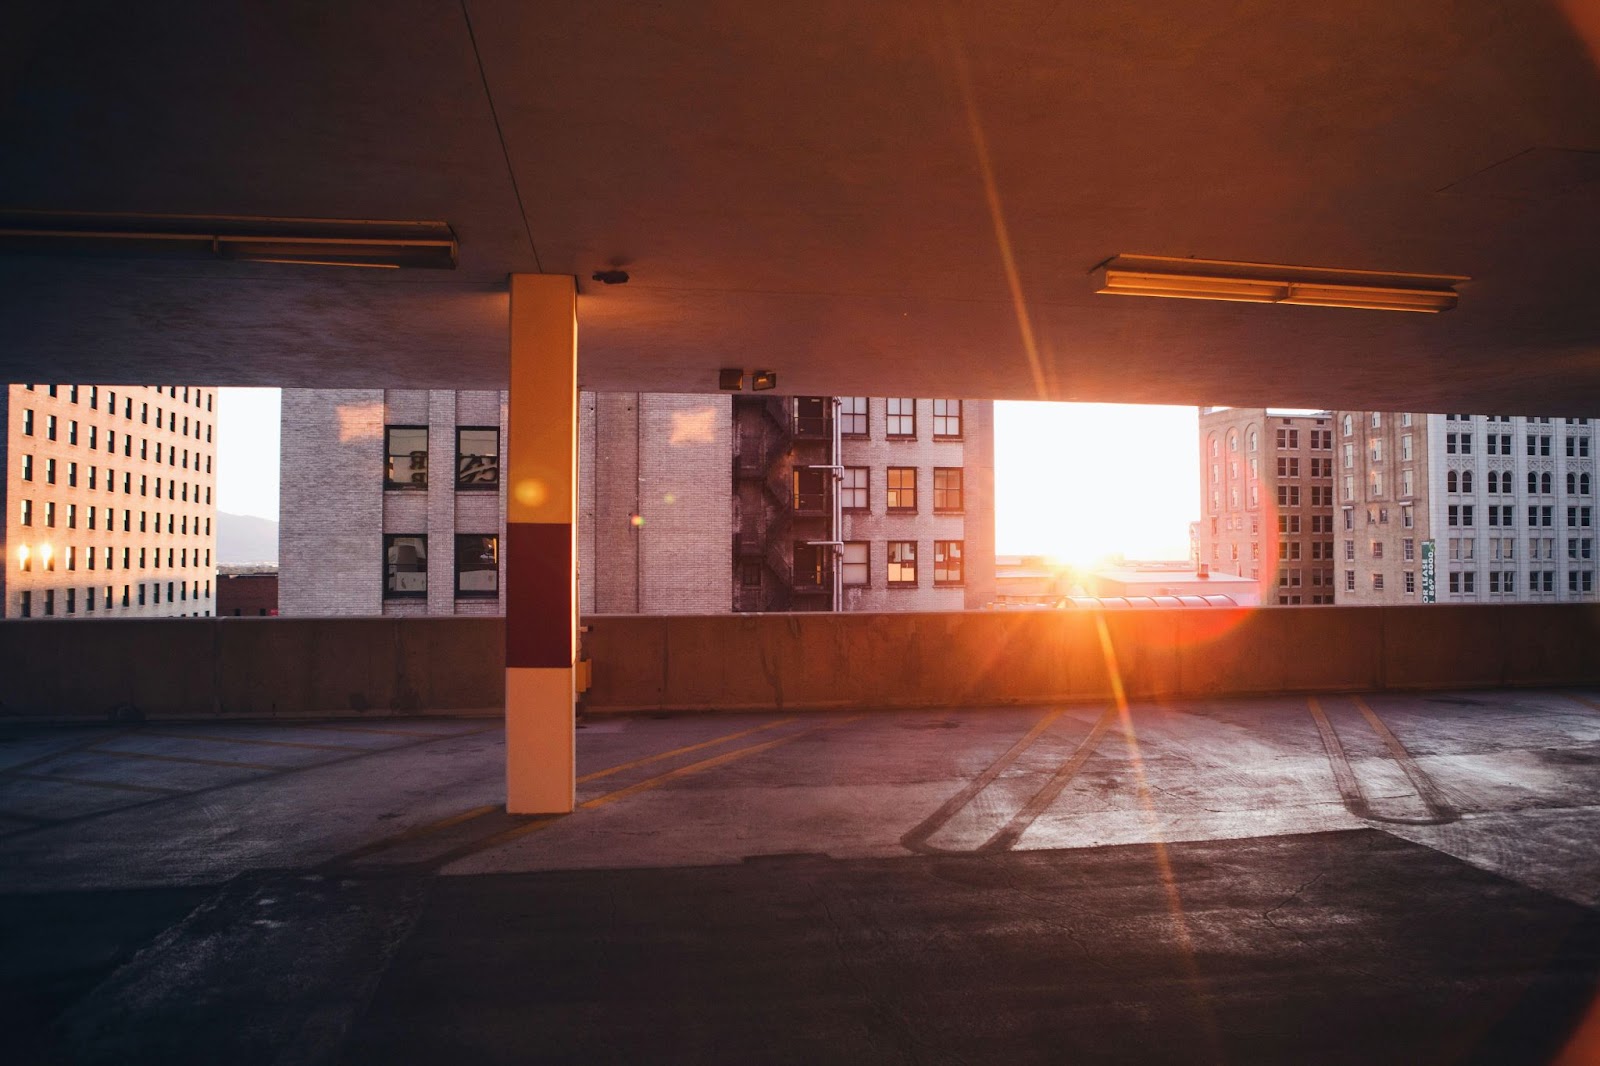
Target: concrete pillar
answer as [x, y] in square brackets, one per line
[541, 558]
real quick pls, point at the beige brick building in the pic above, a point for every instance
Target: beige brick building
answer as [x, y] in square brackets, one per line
[1384, 492]
[109, 501]
[862, 503]
[1503, 506]
[391, 503]
[655, 518]
[1267, 500]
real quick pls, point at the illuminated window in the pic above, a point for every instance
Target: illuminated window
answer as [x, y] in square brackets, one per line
[902, 564]
[902, 488]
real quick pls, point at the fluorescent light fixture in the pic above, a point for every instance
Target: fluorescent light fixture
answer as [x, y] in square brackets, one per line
[298, 241]
[761, 380]
[1267, 283]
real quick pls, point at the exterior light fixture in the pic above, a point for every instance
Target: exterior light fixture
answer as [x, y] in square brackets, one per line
[298, 241]
[1266, 283]
[730, 379]
[762, 380]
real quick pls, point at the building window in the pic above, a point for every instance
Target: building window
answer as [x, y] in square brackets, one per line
[1411, 582]
[853, 416]
[408, 457]
[902, 488]
[902, 418]
[405, 560]
[477, 565]
[1377, 582]
[947, 420]
[750, 574]
[809, 571]
[947, 496]
[947, 562]
[477, 457]
[857, 568]
[1349, 580]
[902, 564]
[853, 489]
[811, 490]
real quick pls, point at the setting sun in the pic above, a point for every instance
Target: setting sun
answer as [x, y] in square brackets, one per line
[1080, 482]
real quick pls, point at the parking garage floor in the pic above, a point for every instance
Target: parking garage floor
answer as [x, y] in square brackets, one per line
[1380, 878]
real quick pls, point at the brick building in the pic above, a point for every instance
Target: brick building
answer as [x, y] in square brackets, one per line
[108, 496]
[861, 503]
[1384, 521]
[391, 503]
[654, 515]
[1267, 497]
[247, 591]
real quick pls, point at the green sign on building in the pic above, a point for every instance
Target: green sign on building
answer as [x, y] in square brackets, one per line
[1428, 585]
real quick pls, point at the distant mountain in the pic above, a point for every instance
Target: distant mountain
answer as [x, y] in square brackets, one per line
[245, 538]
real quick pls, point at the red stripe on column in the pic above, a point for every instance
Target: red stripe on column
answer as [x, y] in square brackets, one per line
[539, 607]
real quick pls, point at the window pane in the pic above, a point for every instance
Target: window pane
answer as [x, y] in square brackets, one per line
[405, 565]
[408, 457]
[477, 458]
[855, 563]
[477, 564]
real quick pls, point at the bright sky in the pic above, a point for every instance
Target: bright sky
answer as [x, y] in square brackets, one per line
[1079, 481]
[247, 452]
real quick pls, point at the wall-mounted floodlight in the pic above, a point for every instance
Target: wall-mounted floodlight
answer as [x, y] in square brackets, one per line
[298, 241]
[1266, 283]
[762, 380]
[730, 379]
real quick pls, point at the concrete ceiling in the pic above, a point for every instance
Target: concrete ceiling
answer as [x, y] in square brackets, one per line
[828, 190]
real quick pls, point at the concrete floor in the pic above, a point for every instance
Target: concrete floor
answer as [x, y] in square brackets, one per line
[1394, 878]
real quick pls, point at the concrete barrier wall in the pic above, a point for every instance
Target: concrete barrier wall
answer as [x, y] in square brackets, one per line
[252, 667]
[1003, 657]
[279, 667]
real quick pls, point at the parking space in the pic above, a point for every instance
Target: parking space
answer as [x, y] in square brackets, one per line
[1216, 875]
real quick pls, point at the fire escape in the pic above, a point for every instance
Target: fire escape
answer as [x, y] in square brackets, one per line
[785, 497]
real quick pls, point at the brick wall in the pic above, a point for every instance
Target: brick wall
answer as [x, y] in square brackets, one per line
[878, 526]
[331, 513]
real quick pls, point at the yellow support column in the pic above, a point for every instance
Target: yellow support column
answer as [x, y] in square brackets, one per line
[541, 556]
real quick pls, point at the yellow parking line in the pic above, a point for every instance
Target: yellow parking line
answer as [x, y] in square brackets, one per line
[120, 786]
[680, 751]
[545, 821]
